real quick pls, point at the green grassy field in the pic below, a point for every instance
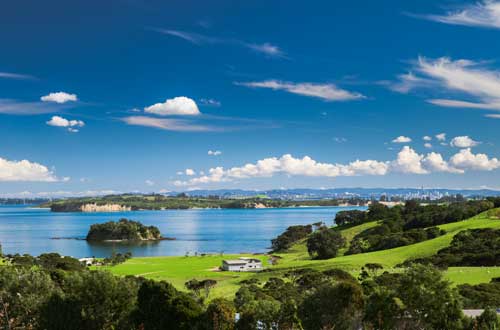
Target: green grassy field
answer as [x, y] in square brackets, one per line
[178, 270]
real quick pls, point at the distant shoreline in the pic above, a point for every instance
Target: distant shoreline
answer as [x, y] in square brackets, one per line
[208, 208]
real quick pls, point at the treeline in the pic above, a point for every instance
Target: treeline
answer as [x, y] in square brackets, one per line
[473, 248]
[405, 225]
[56, 293]
[419, 298]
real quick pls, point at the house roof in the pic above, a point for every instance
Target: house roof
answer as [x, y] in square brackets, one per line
[235, 262]
[240, 261]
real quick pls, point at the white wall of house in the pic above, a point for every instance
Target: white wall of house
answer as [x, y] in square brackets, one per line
[242, 265]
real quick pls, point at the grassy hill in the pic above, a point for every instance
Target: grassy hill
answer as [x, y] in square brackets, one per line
[178, 270]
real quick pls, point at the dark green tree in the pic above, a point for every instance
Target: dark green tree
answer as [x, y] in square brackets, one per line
[337, 306]
[325, 243]
[488, 320]
[160, 306]
[220, 315]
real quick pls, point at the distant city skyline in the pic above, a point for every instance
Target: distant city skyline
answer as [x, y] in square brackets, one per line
[182, 95]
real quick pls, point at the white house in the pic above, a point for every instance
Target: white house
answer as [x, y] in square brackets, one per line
[242, 265]
[87, 261]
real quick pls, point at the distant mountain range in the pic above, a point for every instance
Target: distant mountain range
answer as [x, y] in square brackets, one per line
[305, 193]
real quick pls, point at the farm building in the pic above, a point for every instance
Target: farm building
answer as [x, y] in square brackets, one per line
[241, 265]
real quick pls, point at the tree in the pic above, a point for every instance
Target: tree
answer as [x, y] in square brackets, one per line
[199, 287]
[337, 306]
[419, 298]
[23, 291]
[352, 217]
[52, 261]
[61, 313]
[488, 320]
[160, 306]
[259, 314]
[105, 301]
[325, 243]
[288, 316]
[220, 315]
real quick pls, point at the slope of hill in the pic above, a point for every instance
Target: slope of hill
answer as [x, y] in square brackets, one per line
[178, 270]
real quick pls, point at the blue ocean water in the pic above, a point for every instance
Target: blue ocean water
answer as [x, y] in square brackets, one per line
[32, 230]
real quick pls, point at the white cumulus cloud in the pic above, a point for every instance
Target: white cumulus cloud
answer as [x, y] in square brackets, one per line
[463, 142]
[71, 125]
[25, 170]
[401, 139]
[180, 105]
[59, 97]
[427, 138]
[190, 172]
[408, 161]
[465, 159]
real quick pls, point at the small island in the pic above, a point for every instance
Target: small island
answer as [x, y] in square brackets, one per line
[123, 230]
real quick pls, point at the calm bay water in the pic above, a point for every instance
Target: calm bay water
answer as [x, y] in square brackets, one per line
[31, 230]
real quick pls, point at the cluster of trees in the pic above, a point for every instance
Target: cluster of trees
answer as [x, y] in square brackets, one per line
[291, 235]
[117, 258]
[473, 247]
[381, 238]
[46, 261]
[123, 229]
[405, 225]
[480, 295]
[325, 243]
[418, 298]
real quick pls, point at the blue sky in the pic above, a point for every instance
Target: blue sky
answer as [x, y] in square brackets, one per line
[132, 95]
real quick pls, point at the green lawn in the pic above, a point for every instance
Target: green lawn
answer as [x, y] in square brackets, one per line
[471, 275]
[178, 270]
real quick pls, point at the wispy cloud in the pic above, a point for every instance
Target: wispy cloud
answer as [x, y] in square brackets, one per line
[179, 125]
[59, 194]
[266, 48]
[484, 13]
[15, 107]
[17, 76]
[471, 79]
[210, 102]
[214, 152]
[328, 92]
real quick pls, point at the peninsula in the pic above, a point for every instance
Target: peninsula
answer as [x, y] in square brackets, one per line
[134, 202]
